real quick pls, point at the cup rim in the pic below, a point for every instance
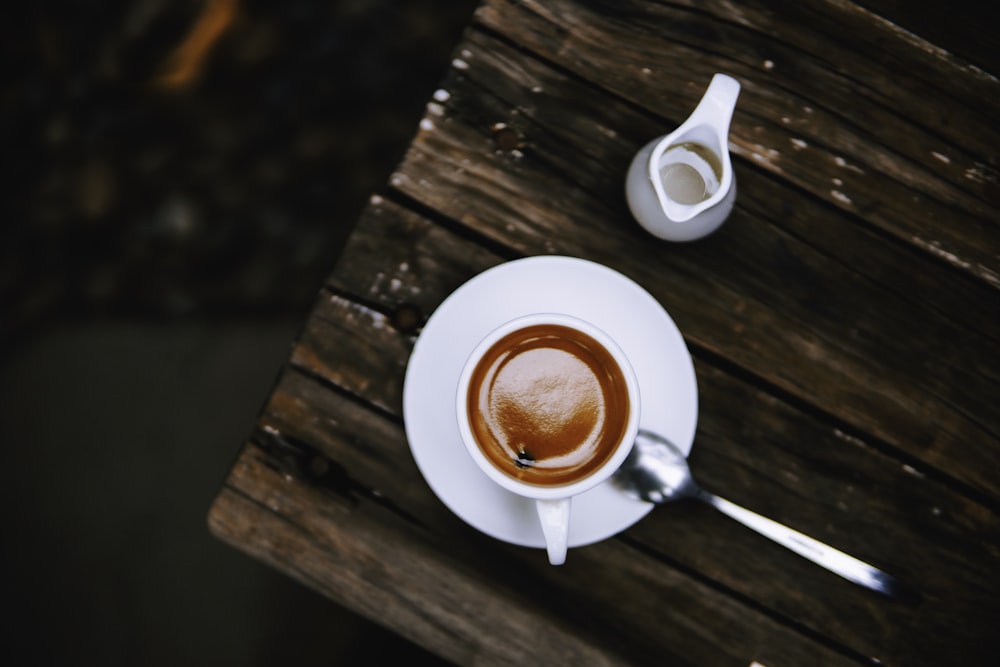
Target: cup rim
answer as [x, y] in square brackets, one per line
[595, 477]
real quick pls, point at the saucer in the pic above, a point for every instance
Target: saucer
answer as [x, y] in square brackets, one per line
[589, 291]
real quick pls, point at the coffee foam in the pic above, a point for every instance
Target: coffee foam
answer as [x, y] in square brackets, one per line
[548, 404]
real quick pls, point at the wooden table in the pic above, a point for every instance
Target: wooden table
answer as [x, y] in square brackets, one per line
[843, 325]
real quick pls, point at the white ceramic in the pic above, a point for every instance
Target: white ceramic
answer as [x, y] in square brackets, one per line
[645, 190]
[589, 291]
[552, 503]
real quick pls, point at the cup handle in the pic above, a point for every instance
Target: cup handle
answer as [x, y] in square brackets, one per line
[554, 517]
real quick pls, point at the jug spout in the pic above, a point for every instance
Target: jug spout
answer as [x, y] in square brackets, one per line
[682, 184]
[717, 105]
[690, 167]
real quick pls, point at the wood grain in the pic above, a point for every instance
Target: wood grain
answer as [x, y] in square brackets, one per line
[915, 528]
[842, 322]
[858, 140]
[781, 307]
[496, 595]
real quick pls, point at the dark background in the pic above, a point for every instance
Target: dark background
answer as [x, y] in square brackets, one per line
[162, 240]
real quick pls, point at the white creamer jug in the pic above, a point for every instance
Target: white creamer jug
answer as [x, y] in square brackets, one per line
[681, 186]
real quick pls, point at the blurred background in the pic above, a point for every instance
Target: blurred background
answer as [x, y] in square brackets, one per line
[179, 176]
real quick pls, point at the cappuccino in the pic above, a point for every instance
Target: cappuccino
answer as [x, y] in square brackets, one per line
[548, 405]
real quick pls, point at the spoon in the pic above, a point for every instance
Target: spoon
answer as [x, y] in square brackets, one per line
[657, 471]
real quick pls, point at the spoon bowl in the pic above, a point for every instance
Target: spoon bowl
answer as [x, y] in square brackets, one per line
[656, 471]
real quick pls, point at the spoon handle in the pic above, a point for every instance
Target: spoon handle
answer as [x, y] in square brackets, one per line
[836, 561]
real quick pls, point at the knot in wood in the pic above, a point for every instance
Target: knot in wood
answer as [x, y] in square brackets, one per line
[506, 137]
[407, 318]
[318, 467]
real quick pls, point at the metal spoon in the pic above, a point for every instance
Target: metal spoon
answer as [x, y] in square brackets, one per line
[658, 472]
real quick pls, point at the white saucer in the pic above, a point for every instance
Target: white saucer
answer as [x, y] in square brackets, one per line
[577, 287]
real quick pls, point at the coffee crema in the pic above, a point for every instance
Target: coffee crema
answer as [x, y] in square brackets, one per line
[548, 404]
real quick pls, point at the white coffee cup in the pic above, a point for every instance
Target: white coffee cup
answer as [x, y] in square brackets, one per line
[553, 501]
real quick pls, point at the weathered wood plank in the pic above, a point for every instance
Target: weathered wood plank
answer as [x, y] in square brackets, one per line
[427, 262]
[855, 497]
[347, 552]
[658, 55]
[330, 329]
[843, 327]
[973, 38]
[762, 297]
[337, 535]
[871, 507]
[551, 117]
[842, 130]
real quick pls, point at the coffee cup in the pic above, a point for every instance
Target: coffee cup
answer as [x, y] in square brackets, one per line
[548, 408]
